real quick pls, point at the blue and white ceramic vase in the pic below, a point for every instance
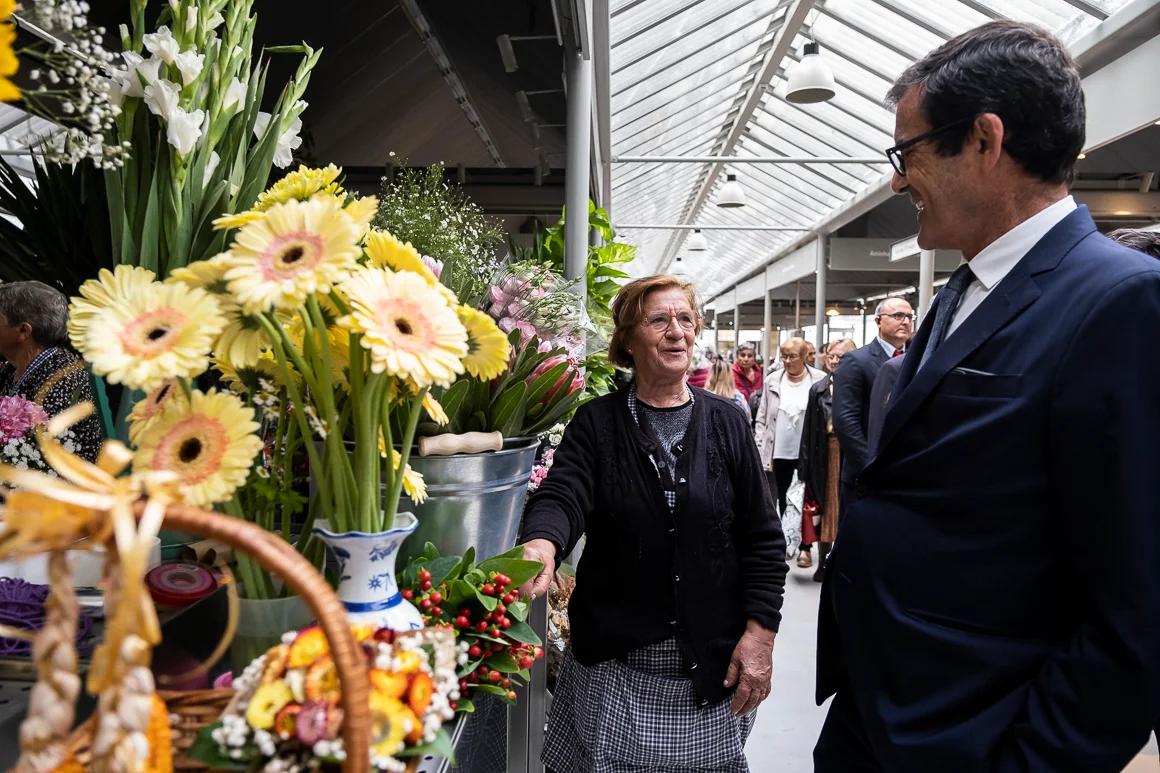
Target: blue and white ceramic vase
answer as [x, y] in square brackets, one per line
[366, 570]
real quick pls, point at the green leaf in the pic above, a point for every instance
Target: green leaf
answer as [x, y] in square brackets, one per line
[523, 633]
[518, 610]
[519, 570]
[490, 688]
[502, 662]
[459, 593]
[442, 569]
[511, 402]
[206, 749]
[298, 49]
[489, 602]
[465, 706]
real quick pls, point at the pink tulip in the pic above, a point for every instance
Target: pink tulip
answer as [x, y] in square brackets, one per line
[436, 266]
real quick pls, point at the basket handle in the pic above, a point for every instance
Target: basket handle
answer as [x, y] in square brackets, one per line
[277, 556]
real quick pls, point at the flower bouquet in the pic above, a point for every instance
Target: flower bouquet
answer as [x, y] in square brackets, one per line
[480, 603]
[287, 715]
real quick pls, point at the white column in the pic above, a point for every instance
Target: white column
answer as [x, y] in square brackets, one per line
[577, 172]
[820, 304]
[766, 322]
[925, 281]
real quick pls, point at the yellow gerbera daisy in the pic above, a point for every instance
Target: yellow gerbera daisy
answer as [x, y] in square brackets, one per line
[297, 248]
[207, 274]
[242, 340]
[242, 380]
[385, 250]
[488, 347]
[362, 211]
[389, 725]
[162, 332]
[108, 288]
[339, 340]
[209, 442]
[9, 64]
[236, 220]
[413, 484]
[408, 327]
[434, 410]
[149, 408]
[300, 186]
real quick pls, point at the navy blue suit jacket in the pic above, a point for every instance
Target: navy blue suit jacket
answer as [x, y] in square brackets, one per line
[853, 381]
[967, 610]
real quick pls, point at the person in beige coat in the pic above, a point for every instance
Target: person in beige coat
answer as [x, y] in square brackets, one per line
[780, 419]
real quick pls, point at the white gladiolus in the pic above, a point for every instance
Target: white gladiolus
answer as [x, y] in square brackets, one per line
[162, 45]
[288, 141]
[139, 73]
[210, 167]
[161, 98]
[190, 63]
[234, 95]
[184, 130]
[215, 21]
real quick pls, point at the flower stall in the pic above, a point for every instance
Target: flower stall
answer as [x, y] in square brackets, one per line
[347, 396]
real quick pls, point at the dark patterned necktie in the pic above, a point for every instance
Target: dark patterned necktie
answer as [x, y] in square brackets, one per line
[948, 301]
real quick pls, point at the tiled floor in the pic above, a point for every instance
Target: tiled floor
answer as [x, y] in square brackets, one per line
[788, 723]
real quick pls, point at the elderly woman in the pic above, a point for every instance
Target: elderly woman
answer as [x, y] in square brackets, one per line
[780, 419]
[678, 595]
[39, 365]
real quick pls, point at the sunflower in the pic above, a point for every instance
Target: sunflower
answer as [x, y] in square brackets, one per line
[300, 186]
[149, 408]
[408, 327]
[388, 252]
[108, 288]
[296, 249]
[236, 220]
[488, 348]
[9, 64]
[165, 331]
[209, 442]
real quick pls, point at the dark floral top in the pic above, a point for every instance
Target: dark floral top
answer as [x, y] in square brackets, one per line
[57, 380]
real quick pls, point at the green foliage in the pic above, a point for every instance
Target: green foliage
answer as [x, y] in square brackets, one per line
[442, 222]
[514, 404]
[63, 236]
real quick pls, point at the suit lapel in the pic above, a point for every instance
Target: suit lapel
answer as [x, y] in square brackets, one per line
[1011, 296]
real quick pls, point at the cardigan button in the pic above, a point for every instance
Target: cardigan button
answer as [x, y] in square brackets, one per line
[704, 701]
[673, 623]
[693, 667]
[676, 578]
[672, 530]
[682, 480]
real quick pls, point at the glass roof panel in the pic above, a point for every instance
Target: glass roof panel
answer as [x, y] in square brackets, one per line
[681, 69]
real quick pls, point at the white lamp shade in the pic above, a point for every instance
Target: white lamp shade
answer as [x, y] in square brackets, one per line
[697, 242]
[732, 194]
[811, 80]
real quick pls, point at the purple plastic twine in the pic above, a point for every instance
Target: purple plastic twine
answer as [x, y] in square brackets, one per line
[22, 606]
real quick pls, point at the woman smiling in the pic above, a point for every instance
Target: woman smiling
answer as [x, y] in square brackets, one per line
[678, 595]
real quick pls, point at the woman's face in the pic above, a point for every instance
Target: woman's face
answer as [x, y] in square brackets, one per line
[794, 364]
[662, 344]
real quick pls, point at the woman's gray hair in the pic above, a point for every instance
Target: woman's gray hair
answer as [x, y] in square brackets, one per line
[44, 308]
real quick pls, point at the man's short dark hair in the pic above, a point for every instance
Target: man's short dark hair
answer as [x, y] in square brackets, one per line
[1019, 72]
[1147, 242]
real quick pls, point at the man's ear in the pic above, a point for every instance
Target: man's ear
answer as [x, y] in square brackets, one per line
[986, 138]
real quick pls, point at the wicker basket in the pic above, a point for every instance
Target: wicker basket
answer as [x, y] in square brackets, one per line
[194, 710]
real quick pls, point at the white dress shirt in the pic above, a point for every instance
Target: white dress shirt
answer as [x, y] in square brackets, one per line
[886, 347]
[997, 259]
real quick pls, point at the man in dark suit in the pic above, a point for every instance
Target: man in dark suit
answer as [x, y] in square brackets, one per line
[880, 398]
[966, 625]
[853, 380]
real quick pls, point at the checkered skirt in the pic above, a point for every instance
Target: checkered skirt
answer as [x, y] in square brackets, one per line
[640, 715]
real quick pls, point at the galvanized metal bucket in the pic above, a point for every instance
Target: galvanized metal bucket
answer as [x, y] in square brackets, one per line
[473, 500]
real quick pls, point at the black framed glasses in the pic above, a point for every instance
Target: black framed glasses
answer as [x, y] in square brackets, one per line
[899, 316]
[895, 154]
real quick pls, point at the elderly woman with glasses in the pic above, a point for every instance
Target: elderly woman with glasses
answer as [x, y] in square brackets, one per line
[679, 592]
[38, 363]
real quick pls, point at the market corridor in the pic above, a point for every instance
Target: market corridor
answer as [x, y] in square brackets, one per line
[788, 723]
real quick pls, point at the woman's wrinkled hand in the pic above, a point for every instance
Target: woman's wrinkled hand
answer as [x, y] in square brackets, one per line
[544, 551]
[751, 669]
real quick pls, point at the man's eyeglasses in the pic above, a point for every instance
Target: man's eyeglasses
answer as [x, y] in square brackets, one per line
[899, 316]
[791, 357]
[660, 322]
[895, 154]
